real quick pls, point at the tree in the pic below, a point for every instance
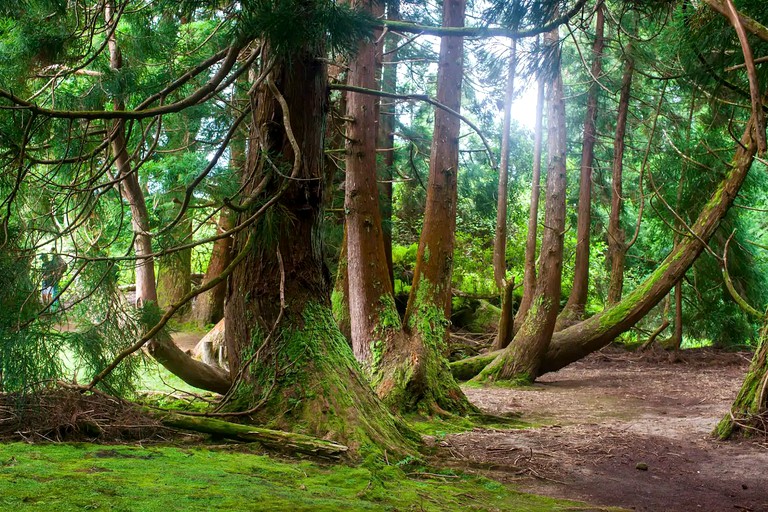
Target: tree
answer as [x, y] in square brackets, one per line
[521, 360]
[292, 365]
[574, 308]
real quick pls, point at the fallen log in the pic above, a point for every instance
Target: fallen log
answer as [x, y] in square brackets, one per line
[274, 439]
[465, 369]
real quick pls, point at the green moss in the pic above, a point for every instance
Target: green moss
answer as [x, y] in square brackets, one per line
[63, 478]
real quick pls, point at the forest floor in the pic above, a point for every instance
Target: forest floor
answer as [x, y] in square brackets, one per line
[623, 429]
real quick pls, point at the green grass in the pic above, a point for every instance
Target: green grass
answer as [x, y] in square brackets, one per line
[76, 477]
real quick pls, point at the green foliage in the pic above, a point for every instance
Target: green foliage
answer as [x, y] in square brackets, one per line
[291, 26]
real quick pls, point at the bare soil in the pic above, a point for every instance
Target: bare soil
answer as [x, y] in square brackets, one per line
[619, 429]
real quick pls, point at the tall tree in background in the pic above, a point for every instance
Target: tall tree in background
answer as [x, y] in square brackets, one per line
[371, 304]
[616, 236]
[574, 308]
[500, 240]
[529, 275]
[522, 359]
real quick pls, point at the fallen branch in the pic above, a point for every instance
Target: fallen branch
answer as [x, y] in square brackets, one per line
[273, 439]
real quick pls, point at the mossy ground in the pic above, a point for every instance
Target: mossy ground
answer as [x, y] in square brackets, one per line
[69, 477]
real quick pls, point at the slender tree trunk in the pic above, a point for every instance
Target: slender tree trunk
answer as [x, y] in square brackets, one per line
[414, 373]
[500, 240]
[209, 306]
[386, 134]
[574, 308]
[340, 294]
[371, 303]
[521, 360]
[616, 235]
[529, 275]
[294, 368]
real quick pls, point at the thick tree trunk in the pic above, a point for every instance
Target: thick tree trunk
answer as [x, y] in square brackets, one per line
[529, 275]
[209, 306]
[574, 308]
[294, 369]
[414, 373]
[372, 309]
[521, 360]
[748, 412]
[616, 235]
[500, 240]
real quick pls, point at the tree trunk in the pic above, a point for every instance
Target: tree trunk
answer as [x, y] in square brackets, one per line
[529, 275]
[371, 303]
[500, 240]
[209, 306]
[748, 412]
[414, 373]
[616, 235]
[294, 368]
[574, 308]
[174, 271]
[340, 294]
[521, 360]
[507, 318]
[386, 134]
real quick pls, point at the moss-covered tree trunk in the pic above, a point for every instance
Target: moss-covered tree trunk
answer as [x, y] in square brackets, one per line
[296, 370]
[521, 360]
[748, 412]
[500, 238]
[372, 311]
[573, 343]
[414, 373]
[616, 236]
[529, 274]
[577, 300]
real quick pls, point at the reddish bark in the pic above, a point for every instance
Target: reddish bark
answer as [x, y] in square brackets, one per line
[369, 284]
[209, 306]
[574, 308]
[616, 235]
[523, 357]
[529, 275]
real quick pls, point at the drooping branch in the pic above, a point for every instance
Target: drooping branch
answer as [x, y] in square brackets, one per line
[414, 28]
[748, 23]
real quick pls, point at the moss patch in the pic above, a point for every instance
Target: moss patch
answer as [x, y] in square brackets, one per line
[65, 477]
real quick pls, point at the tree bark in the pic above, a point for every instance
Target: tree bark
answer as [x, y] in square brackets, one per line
[748, 412]
[616, 235]
[386, 134]
[371, 303]
[174, 271]
[500, 240]
[294, 369]
[574, 308]
[209, 306]
[529, 274]
[507, 318]
[414, 373]
[521, 360]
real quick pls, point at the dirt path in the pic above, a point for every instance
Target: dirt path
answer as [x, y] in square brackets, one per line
[606, 417]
